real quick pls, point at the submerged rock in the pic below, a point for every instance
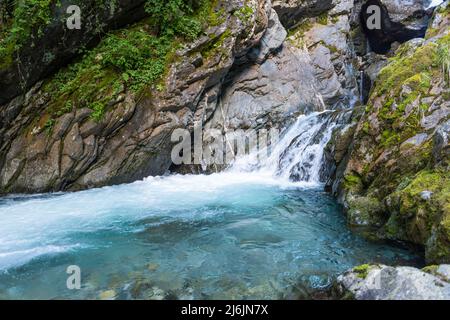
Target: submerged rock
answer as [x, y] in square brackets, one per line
[380, 282]
[107, 295]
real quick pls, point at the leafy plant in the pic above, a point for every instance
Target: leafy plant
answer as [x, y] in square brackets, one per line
[29, 18]
[244, 13]
[443, 54]
[98, 109]
[176, 17]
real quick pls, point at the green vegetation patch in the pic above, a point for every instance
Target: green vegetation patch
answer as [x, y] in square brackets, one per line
[130, 59]
[28, 19]
[362, 271]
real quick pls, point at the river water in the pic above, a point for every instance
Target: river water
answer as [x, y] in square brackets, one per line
[250, 232]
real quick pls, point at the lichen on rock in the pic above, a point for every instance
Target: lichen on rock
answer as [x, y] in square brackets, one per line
[397, 176]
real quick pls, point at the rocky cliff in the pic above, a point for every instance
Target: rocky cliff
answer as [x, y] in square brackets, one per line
[396, 178]
[107, 117]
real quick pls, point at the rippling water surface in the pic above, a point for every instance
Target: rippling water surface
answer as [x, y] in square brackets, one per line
[224, 236]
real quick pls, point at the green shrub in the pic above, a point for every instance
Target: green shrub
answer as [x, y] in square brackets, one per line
[29, 16]
[175, 17]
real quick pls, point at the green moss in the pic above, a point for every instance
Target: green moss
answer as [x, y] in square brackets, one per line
[366, 127]
[393, 76]
[394, 173]
[300, 29]
[244, 13]
[215, 45]
[323, 18]
[352, 182]
[401, 85]
[389, 138]
[430, 269]
[431, 180]
[365, 211]
[414, 216]
[443, 59]
[362, 271]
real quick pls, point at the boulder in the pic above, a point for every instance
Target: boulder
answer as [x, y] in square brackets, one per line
[380, 282]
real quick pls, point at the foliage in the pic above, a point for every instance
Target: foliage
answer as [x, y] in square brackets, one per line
[176, 17]
[128, 59]
[98, 109]
[28, 19]
[244, 13]
[443, 56]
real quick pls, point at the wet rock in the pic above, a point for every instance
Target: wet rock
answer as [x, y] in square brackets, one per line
[268, 93]
[441, 148]
[417, 140]
[152, 267]
[444, 271]
[379, 282]
[272, 40]
[426, 195]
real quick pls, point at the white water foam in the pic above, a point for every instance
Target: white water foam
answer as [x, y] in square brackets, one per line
[435, 3]
[298, 155]
[35, 226]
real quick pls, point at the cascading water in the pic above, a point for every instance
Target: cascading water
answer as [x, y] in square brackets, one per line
[298, 156]
[264, 229]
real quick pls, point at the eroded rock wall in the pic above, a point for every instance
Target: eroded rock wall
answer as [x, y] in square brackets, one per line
[242, 73]
[132, 139]
[396, 175]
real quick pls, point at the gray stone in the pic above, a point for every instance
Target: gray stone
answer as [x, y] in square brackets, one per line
[426, 195]
[272, 39]
[417, 140]
[444, 270]
[381, 282]
[441, 147]
[293, 11]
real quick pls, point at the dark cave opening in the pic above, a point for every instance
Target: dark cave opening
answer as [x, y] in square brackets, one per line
[381, 39]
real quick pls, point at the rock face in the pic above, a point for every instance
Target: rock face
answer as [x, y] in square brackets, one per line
[400, 21]
[133, 137]
[379, 282]
[241, 74]
[396, 175]
[311, 71]
[293, 11]
[57, 45]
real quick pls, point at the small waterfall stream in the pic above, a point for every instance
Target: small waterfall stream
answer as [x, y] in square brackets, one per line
[298, 155]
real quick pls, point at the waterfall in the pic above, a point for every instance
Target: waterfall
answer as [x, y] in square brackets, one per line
[434, 3]
[298, 155]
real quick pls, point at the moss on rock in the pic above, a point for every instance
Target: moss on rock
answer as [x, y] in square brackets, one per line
[391, 180]
[362, 271]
